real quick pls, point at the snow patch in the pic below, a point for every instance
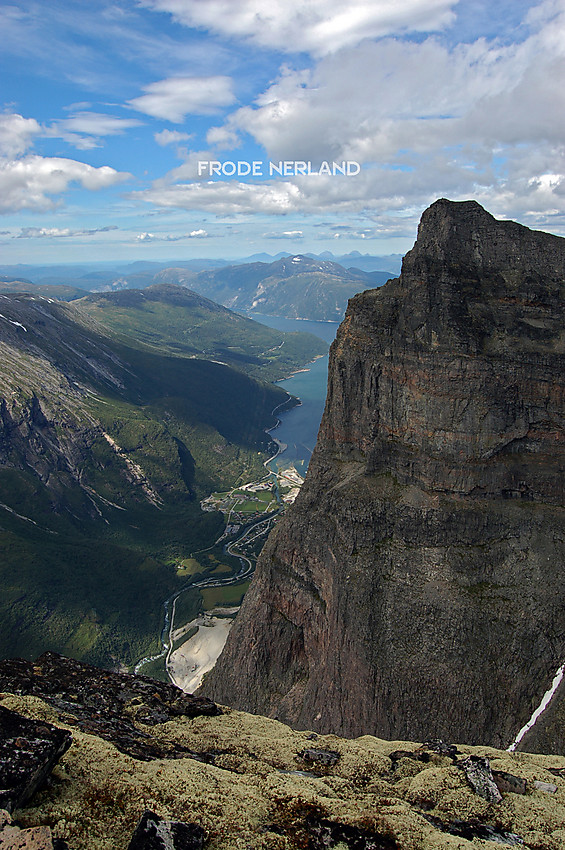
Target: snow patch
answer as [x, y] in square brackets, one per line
[17, 324]
[547, 697]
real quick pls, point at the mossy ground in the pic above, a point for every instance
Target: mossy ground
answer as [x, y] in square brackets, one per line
[253, 798]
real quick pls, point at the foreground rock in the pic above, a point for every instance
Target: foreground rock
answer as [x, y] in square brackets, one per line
[28, 752]
[410, 591]
[35, 838]
[156, 833]
[106, 704]
[366, 794]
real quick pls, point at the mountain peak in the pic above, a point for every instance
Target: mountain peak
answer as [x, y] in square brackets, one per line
[462, 239]
[410, 590]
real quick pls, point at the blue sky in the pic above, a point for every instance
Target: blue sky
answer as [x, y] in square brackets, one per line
[108, 107]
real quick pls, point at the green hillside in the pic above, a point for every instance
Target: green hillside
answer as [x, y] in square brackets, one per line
[177, 321]
[106, 448]
[60, 291]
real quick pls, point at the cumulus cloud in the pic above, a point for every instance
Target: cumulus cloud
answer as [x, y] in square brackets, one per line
[170, 137]
[28, 183]
[176, 97]
[315, 26]
[223, 138]
[226, 198]
[16, 134]
[482, 119]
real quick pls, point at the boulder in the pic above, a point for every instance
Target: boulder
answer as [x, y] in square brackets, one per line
[29, 749]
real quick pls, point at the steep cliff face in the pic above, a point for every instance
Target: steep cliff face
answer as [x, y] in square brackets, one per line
[415, 589]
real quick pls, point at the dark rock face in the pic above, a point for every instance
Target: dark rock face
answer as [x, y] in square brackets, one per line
[411, 591]
[325, 833]
[156, 833]
[28, 752]
[107, 704]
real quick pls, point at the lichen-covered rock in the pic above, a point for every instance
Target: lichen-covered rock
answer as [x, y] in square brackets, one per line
[106, 703]
[156, 833]
[410, 590]
[29, 750]
[253, 796]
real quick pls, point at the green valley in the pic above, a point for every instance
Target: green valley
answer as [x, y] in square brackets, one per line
[108, 442]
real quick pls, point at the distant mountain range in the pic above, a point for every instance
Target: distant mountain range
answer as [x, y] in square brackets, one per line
[104, 270]
[115, 418]
[296, 286]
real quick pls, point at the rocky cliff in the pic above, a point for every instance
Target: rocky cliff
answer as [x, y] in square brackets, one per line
[415, 589]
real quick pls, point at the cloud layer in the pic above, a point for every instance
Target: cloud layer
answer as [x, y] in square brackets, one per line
[481, 119]
[314, 26]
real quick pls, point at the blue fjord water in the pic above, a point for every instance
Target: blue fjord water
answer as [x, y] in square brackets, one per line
[299, 427]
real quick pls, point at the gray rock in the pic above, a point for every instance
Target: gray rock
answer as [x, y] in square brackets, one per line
[29, 749]
[508, 783]
[549, 787]
[156, 833]
[327, 758]
[325, 833]
[474, 829]
[107, 704]
[480, 778]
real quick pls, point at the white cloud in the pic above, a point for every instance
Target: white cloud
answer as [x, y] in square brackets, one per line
[284, 234]
[226, 198]
[58, 232]
[223, 138]
[175, 98]
[158, 237]
[84, 129]
[16, 133]
[315, 26]
[480, 119]
[28, 183]
[170, 137]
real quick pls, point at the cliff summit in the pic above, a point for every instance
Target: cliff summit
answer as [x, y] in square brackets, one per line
[414, 589]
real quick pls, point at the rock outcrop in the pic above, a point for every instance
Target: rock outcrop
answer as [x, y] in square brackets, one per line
[415, 588]
[265, 786]
[106, 704]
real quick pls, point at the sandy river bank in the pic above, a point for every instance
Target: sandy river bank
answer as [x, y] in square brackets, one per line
[197, 655]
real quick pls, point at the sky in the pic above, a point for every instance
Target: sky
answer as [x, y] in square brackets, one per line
[113, 112]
